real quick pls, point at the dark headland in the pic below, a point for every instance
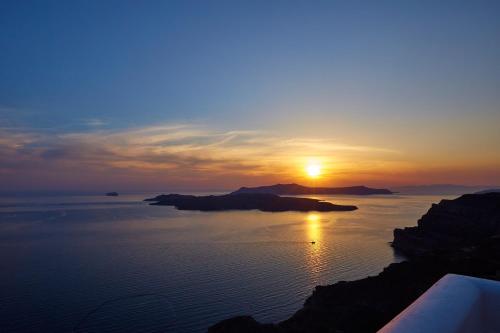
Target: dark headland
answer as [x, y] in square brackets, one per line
[263, 202]
[460, 236]
[296, 189]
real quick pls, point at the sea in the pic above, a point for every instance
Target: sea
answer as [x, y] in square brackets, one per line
[92, 263]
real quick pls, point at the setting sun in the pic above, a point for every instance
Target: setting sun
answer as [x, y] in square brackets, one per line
[241, 153]
[313, 170]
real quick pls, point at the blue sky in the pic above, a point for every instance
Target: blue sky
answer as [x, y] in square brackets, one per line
[358, 72]
[134, 63]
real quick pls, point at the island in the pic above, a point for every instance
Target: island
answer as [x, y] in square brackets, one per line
[490, 190]
[460, 236]
[296, 189]
[112, 194]
[259, 201]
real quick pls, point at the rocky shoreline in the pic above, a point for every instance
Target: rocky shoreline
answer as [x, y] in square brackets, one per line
[460, 236]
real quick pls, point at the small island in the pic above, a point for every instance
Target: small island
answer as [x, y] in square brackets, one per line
[296, 189]
[258, 201]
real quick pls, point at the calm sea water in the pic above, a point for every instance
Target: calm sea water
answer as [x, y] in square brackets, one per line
[106, 264]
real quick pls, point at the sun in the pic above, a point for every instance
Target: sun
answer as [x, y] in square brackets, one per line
[313, 170]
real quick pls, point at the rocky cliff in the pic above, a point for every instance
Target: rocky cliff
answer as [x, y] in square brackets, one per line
[452, 224]
[455, 236]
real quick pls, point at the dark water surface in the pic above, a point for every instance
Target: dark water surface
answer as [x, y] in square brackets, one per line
[101, 264]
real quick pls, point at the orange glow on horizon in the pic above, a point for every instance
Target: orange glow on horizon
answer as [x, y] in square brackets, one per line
[188, 157]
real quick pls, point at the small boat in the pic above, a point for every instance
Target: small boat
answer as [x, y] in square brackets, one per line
[313, 242]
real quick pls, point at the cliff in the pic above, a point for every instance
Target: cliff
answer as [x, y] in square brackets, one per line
[452, 224]
[458, 236]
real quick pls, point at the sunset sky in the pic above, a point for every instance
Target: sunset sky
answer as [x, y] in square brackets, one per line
[158, 95]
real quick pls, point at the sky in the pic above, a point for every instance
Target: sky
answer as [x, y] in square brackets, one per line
[159, 95]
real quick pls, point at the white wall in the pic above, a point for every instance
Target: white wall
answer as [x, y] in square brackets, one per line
[454, 304]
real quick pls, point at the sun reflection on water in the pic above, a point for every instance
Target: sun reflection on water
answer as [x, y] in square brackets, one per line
[314, 257]
[313, 227]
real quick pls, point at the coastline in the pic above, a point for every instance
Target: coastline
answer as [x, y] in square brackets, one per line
[449, 248]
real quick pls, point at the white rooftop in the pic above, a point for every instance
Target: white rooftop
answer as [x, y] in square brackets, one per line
[454, 304]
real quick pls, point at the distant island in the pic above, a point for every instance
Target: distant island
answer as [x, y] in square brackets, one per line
[490, 190]
[296, 189]
[458, 236]
[112, 194]
[265, 202]
[440, 189]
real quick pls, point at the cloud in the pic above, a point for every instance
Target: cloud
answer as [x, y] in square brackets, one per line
[175, 154]
[94, 122]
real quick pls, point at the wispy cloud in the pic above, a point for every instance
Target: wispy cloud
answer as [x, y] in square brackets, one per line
[94, 122]
[177, 153]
